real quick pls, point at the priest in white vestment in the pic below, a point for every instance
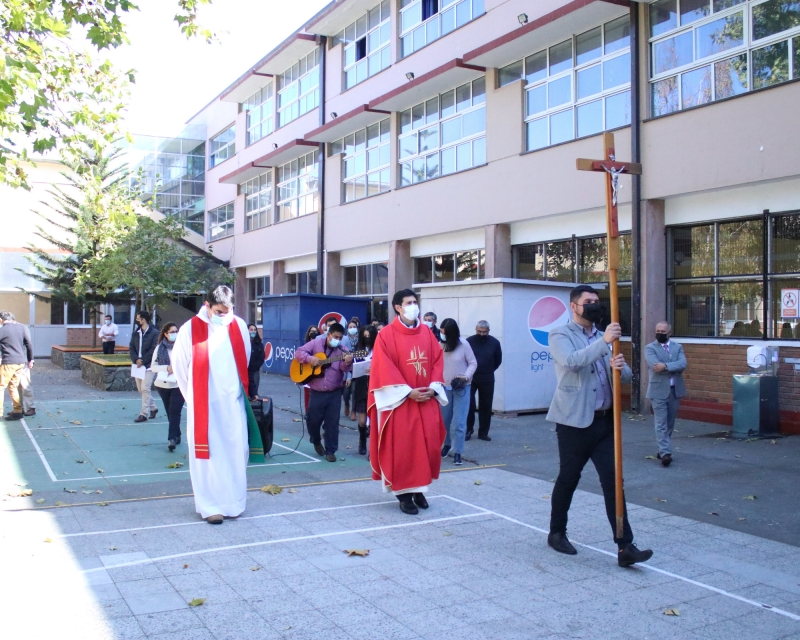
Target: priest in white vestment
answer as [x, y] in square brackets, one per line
[217, 436]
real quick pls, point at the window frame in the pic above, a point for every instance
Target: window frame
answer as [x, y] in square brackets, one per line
[269, 117]
[254, 309]
[382, 170]
[253, 193]
[351, 36]
[476, 9]
[214, 157]
[480, 263]
[282, 184]
[302, 278]
[227, 224]
[304, 70]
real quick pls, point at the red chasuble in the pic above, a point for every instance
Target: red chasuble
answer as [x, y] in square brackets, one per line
[405, 445]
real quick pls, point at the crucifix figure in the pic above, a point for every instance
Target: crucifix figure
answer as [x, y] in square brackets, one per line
[612, 170]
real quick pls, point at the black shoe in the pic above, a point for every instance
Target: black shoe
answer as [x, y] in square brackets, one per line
[153, 414]
[140, 418]
[330, 457]
[666, 459]
[178, 440]
[631, 555]
[420, 501]
[445, 450]
[171, 445]
[468, 436]
[319, 449]
[487, 438]
[407, 504]
[362, 441]
[457, 459]
[14, 416]
[560, 543]
[30, 412]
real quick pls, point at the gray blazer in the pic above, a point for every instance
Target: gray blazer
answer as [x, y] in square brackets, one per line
[575, 397]
[658, 386]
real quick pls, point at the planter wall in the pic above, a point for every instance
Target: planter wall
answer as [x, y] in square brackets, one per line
[69, 357]
[106, 377]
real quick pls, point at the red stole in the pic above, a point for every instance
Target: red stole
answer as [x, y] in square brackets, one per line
[200, 367]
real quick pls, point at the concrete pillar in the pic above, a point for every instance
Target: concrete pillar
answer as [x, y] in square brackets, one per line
[498, 250]
[653, 280]
[333, 274]
[240, 293]
[401, 269]
[278, 281]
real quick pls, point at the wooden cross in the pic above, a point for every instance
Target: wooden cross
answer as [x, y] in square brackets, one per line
[613, 169]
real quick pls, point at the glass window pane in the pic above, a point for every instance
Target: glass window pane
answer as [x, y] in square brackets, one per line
[771, 65]
[424, 270]
[720, 35]
[479, 91]
[618, 110]
[589, 81]
[385, 180]
[432, 166]
[741, 248]
[592, 266]
[478, 152]
[529, 262]
[451, 130]
[663, 16]
[373, 135]
[693, 309]
[444, 268]
[672, 52]
[590, 118]
[617, 71]
[730, 76]
[463, 156]
[561, 57]
[559, 91]
[448, 161]
[419, 38]
[467, 265]
[560, 261]
[407, 45]
[384, 154]
[374, 17]
[721, 5]
[783, 328]
[692, 10]
[448, 20]
[417, 170]
[536, 100]
[796, 62]
[411, 16]
[448, 103]
[536, 67]
[417, 116]
[463, 10]
[429, 138]
[463, 97]
[361, 140]
[373, 159]
[405, 121]
[775, 16]
[349, 281]
[665, 96]
[408, 145]
[561, 127]
[432, 31]
[432, 110]
[693, 251]
[405, 174]
[380, 279]
[617, 34]
[786, 244]
[588, 46]
[509, 74]
[363, 273]
[474, 122]
[537, 134]
[696, 87]
[741, 309]
[477, 8]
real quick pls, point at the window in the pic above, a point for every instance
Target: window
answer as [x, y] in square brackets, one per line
[706, 50]
[257, 201]
[223, 146]
[577, 260]
[304, 282]
[365, 163]
[423, 21]
[297, 187]
[256, 288]
[444, 134]
[450, 267]
[298, 89]
[366, 279]
[220, 222]
[366, 45]
[576, 88]
[260, 108]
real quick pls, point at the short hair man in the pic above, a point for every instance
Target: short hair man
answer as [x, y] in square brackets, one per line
[142, 345]
[16, 359]
[665, 388]
[325, 403]
[489, 354]
[583, 412]
[407, 428]
[429, 319]
[108, 335]
[210, 359]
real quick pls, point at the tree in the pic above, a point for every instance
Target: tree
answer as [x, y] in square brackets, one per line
[54, 95]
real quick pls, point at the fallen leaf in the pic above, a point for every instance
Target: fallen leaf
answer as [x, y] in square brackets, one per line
[348, 447]
[292, 490]
[112, 548]
[75, 422]
[100, 471]
[175, 465]
[660, 500]
[713, 513]
[272, 489]
[47, 540]
[124, 480]
[545, 497]
[773, 442]
[100, 490]
[87, 492]
[80, 461]
[738, 456]
[26, 492]
[40, 501]
[341, 459]
[446, 534]
[363, 553]
[196, 602]
[750, 498]
[254, 568]
[186, 566]
[59, 503]
[286, 440]
[672, 612]
[478, 482]
[742, 519]
[295, 419]
[650, 458]
[70, 490]
[102, 504]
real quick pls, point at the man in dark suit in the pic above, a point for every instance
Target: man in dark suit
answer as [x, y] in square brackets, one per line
[666, 362]
[489, 355]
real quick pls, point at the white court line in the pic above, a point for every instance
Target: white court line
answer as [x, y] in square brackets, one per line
[131, 399]
[294, 539]
[696, 583]
[39, 451]
[104, 426]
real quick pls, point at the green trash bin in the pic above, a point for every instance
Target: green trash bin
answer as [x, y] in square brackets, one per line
[755, 405]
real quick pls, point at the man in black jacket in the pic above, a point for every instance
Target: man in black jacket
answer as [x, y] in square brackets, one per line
[489, 355]
[143, 344]
[16, 352]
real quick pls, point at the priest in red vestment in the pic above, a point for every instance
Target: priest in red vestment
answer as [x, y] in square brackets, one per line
[406, 425]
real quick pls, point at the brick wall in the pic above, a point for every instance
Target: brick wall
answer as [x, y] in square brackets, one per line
[82, 337]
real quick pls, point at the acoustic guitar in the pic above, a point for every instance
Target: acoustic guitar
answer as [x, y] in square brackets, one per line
[301, 372]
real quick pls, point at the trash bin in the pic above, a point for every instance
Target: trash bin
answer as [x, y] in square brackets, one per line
[755, 405]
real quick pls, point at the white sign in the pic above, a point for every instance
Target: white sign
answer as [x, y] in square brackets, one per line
[789, 303]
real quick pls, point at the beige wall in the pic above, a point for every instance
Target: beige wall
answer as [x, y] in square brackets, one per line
[17, 303]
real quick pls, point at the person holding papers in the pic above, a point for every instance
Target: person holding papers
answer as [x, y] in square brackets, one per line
[360, 384]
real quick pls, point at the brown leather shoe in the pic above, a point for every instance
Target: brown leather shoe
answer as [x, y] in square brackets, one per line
[140, 418]
[217, 519]
[30, 412]
[153, 413]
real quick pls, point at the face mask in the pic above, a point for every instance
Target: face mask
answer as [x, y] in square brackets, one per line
[428, 324]
[172, 337]
[593, 312]
[482, 338]
[253, 334]
[108, 321]
[662, 338]
[138, 324]
[313, 336]
[353, 331]
[411, 312]
[334, 342]
[442, 337]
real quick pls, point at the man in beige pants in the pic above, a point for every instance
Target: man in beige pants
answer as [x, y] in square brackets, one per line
[16, 355]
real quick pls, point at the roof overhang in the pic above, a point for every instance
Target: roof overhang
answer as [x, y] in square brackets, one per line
[574, 17]
[448, 76]
[338, 15]
[354, 120]
[279, 156]
[245, 87]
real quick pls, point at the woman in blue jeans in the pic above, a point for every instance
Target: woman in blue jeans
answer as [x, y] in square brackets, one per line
[459, 367]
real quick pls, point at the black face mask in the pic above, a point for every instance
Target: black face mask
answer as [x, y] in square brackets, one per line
[482, 338]
[593, 312]
[662, 338]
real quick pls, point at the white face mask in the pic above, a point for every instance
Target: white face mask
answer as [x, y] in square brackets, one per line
[428, 324]
[108, 321]
[353, 331]
[219, 320]
[411, 312]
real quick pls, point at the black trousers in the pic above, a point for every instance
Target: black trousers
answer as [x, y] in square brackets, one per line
[484, 386]
[324, 408]
[108, 347]
[254, 379]
[173, 406]
[575, 448]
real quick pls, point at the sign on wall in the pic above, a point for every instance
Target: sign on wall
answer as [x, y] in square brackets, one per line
[789, 303]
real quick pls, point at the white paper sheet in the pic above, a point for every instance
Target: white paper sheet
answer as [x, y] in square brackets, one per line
[361, 368]
[138, 372]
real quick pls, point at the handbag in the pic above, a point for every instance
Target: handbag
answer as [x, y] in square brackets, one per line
[458, 383]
